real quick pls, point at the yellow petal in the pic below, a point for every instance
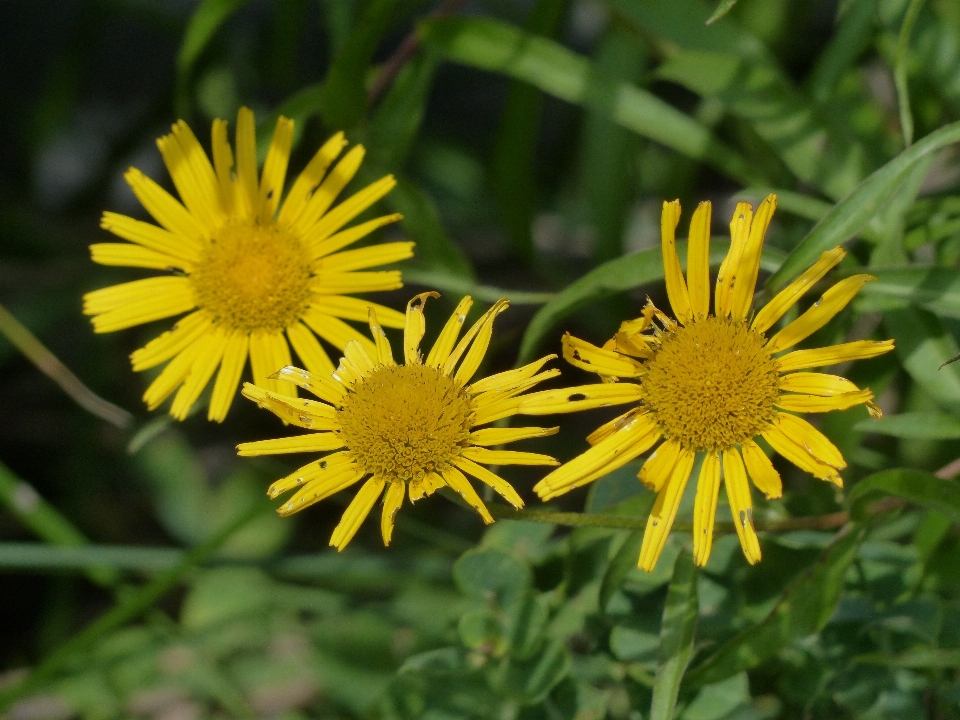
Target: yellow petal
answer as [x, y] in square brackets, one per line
[384, 351]
[327, 192]
[586, 356]
[430, 483]
[339, 283]
[582, 397]
[192, 175]
[223, 162]
[287, 412]
[138, 302]
[749, 267]
[501, 436]
[815, 442]
[308, 180]
[608, 428]
[414, 327]
[813, 383]
[171, 376]
[183, 247]
[322, 474]
[726, 277]
[350, 308]
[817, 403]
[508, 378]
[248, 192]
[347, 211]
[382, 254]
[183, 334]
[314, 442]
[741, 504]
[336, 331]
[235, 349]
[317, 490]
[127, 255]
[606, 456]
[822, 311]
[506, 457]
[471, 362]
[698, 261]
[658, 468]
[392, 500]
[833, 354]
[664, 511]
[164, 208]
[787, 298]
[761, 470]
[459, 483]
[493, 397]
[357, 512]
[799, 455]
[268, 353]
[275, 169]
[443, 346]
[676, 285]
[312, 355]
[501, 486]
[705, 507]
[358, 356]
[321, 385]
[349, 236]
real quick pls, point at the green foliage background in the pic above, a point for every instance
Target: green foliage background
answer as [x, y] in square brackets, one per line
[144, 574]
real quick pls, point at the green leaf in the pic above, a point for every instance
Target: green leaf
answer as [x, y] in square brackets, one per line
[481, 630]
[676, 636]
[526, 619]
[929, 491]
[529, 681]
[421, 219]
[924, 345]
[624, 273]
[512, 161]
[622, 563]
[344, 91]
[734, 68]
[802, 610]
[935, 288]
[723, 7]
[395, 124]
[914, 426]
[493, 575]
[851, 38]
[850, 215]
[203, 25]
[919, 658]
[497, 47]
[224, 594]
[717, 700]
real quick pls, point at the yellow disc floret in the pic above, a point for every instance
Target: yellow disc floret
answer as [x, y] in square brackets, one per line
[405, 421]
[253, 277]
[711, 384]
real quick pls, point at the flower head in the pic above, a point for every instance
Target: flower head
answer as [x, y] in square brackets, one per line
[407, 429]
[253, 273]
[709, 384]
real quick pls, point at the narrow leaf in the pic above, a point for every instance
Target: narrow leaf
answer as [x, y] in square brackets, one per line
[203, 25]
[723, 7]
[498, 47]
[850, 215]
[935, 288]
[924, 345]
[676, 636]
[914, 426]
[621, 564]
[929, 491]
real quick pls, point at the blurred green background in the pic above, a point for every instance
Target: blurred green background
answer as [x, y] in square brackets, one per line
[143, 574]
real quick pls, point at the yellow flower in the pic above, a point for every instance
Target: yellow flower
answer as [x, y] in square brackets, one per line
[251, 272]
[407, 428]
[709, 384]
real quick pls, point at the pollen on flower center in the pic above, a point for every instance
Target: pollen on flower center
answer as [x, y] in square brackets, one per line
[253, 277]
[405, 421]
[711, 384]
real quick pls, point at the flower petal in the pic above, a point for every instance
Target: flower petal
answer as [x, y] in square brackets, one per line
[705, 507]
[414, 327]
[392, 500]
[501, 486]
[443, 346]
[788, 297]
[235, 349]
[761, 470]
[313, 442]
[676, 285]
[833, 354]
[741, 504]
[818, 403]
[459, 483]
[749, 267]
[665, 510]
[726, 277]
[582, 397]
[698, 261]
[357, 512]
[586, 356]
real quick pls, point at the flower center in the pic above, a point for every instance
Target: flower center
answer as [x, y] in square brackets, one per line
[253, 277]
[711, 384]
[404, 421]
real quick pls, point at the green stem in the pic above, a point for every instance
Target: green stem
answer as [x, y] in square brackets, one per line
[900, 71]
[45, 521]
[134, 605]
[48, 363]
